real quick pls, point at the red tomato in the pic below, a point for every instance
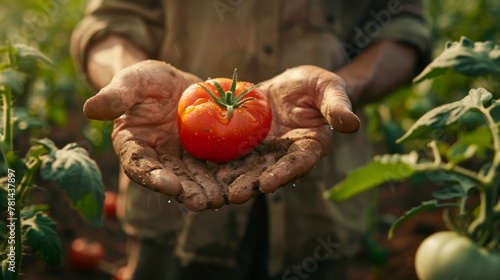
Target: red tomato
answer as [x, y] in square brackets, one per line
[110, 204]
[222, 119]
[85, 255]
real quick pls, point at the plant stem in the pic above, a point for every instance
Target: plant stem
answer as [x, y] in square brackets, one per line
[7, 139]
[483, 228]
[18, 238]
[495, 134]
[7, 146]
[484, 223]
[438, 165]
[28, 177]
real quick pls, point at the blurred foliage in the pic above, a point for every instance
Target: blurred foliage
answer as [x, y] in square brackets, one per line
[52, 96]
[449, 21]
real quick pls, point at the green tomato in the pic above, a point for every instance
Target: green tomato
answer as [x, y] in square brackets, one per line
[448, 255]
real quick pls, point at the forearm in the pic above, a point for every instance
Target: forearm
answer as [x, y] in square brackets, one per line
[108, 56]
[377, 71]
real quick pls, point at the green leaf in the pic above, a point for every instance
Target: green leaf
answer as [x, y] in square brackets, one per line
[464, 184]
[460, 152]
[424, 207]
[447, 114]
[448, 193]
[13, 79]
[31, 210]
[383, 169]
[481, 138]
[465, 57]
[40, 234]
[495, 110]
[78, 175]
[24, 52]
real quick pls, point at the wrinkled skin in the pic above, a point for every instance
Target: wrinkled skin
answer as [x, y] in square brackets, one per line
[142, 100]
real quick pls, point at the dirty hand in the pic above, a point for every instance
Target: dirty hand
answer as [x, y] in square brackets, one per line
[142, 101]
[307, 102]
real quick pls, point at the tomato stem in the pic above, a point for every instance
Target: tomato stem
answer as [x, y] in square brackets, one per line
[226, 99]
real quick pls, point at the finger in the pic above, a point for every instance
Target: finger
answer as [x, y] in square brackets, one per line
[227, 173]
[133, 84]
[242, 175]
[336, 108]
[214, 193]
[192, 194]
[116, 98]
[301, 158]
[140, 163]
[247, 186]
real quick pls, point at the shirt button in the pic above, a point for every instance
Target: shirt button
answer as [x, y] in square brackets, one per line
[276, 198]
[268, 49]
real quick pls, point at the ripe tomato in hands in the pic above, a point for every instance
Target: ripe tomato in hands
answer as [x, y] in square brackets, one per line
[221, 119]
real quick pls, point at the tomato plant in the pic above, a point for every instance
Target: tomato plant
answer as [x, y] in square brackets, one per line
[223, 119]
[448, 255]
[71, 167]
[463, 162]
[84, 254]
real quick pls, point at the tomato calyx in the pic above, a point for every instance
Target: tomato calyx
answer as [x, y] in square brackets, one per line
[226, 99]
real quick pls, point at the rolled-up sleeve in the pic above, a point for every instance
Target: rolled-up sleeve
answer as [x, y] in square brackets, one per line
[403, 21]
[140, 21]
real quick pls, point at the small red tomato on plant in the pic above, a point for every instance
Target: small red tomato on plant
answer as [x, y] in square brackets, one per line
[85, 254]
[222, 119]
[110, 204]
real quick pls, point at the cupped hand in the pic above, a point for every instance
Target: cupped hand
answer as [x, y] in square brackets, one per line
[308, 102]
[142, 100]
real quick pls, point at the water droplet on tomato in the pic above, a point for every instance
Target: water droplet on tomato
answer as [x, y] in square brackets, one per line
[222, 117]
[190, 109]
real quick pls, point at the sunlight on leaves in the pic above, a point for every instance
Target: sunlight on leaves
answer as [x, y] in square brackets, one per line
[78, 175]
[383, 169]
[12, 79]
[447, 114]
[39, 230]
[25, 52]
[466, 57]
